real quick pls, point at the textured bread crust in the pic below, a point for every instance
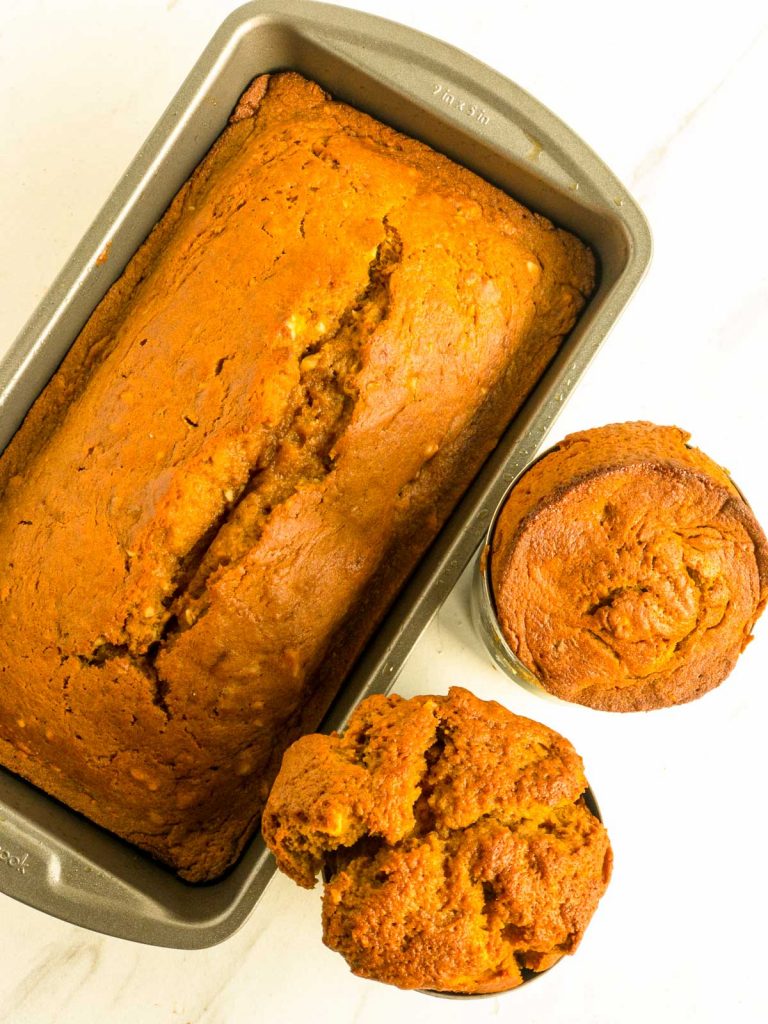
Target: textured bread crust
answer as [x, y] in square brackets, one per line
[256, 435]
[457, 848]
[627, 569]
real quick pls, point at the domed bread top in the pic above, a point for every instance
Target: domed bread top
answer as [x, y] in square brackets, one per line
[627, 569]
[457, 846]
[258, 433]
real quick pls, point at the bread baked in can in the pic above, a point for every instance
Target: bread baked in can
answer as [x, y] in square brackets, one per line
[627, 569]
[458, 851]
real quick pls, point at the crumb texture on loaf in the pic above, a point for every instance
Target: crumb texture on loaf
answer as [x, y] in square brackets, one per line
[245, 452]
[458, 850]
[627, 569]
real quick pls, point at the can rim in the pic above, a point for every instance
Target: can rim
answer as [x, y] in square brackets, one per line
[485, 613]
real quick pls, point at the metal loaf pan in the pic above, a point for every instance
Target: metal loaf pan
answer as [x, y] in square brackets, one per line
[50, 857]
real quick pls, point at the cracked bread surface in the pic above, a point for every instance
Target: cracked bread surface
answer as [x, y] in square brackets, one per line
[248, 447]
[457, 849]
[628, 571]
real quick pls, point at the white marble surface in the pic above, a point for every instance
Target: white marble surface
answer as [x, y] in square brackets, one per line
[672, 97]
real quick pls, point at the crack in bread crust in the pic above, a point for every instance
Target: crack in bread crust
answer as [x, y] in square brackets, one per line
[305, 453]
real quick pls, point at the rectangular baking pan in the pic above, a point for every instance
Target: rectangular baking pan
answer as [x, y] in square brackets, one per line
[50, 857]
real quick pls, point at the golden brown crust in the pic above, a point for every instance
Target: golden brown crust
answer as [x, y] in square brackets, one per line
[627, 569]
[245, 452]
[458, 848]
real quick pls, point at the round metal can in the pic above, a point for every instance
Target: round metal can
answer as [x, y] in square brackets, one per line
[483, 604]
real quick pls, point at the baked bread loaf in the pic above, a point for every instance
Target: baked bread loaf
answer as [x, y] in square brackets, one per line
[256, 435]
[627, 569]
[458, 850]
